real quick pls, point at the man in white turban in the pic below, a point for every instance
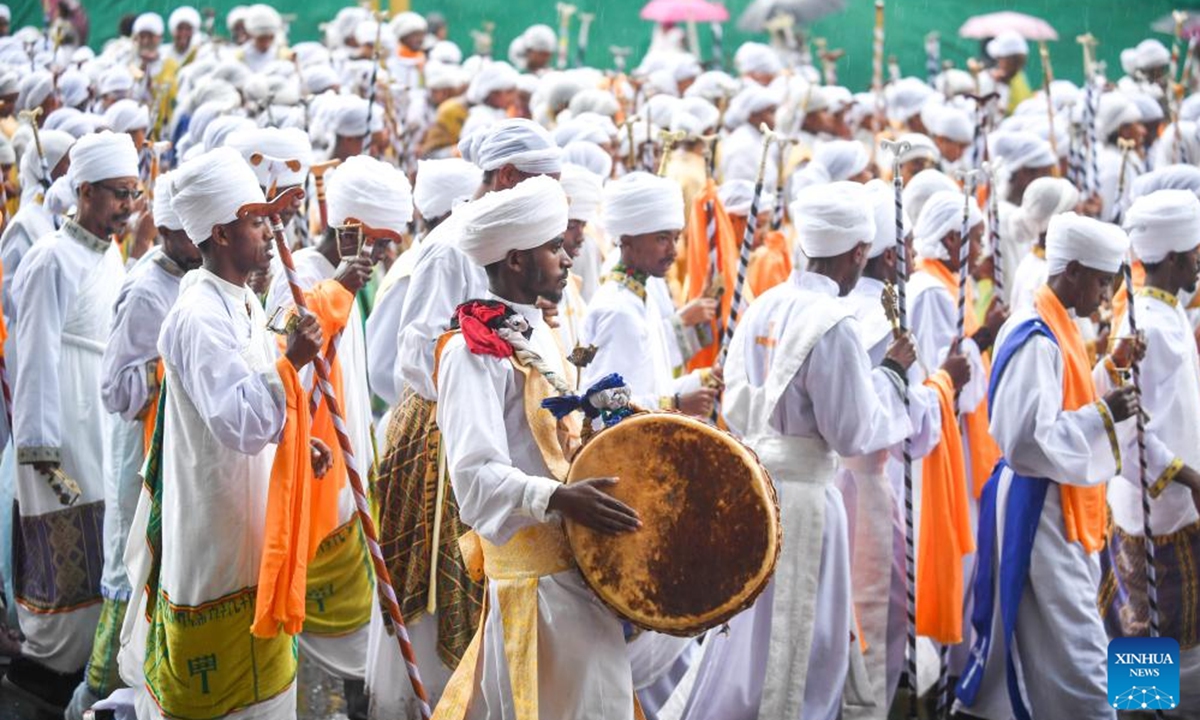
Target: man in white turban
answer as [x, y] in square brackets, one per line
[129, 117]
[264, 27]
[510, 491]
[37, 90]
[130, 389]
[538, 44]
[235, 433]
[741, 151]
[491, 93]
[377, 197]
[63, 295]
[1010, 51]
[1044, 198]
[951, 129]
[277, 147]
[583, 190]
[184, 24]
[1118, 121]
[440, 276]
[357, 127]
[1043, 515]
[1164, 230]
[789, 656]
[758, 63]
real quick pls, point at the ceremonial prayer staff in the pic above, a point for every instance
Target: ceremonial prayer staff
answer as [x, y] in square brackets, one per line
[1126, 146]
[1180, 18]
[877, 67]
[669, 139]
[1143, 473]
[581, 43]
[565, 11]
[990, 170]
[387, 592]
[747, 244]
[909, 677]
[31, 117]
[375, 57]
[1090, 186]
[1047, 79]
[318, 171]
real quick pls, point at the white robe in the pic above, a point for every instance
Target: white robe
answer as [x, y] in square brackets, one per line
[850, 417]
[383, 326]
[30, 224]
[503, 485]
[1115, 195]
[1057, 616]
[224, 413]
[63, 295]
[1016, 239]
[345, 655]
[1032, 273]
[741, 154]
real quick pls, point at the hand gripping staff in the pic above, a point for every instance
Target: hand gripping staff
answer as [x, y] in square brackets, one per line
[387, 592]
[909, 677]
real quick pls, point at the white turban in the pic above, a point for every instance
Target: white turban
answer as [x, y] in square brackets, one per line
[183, 15]
[440, 76]
[74, 86]
[407, 23]
[262, 20]
[518, 142]
[285, 144]
[576, 130]
[443, 184]
[757, 58]
[55, 143]
[955, 81]
[833, 219]
[922, 187]
[444, 51]
[150, 22]
[127, 115]
[209, 189]
[319, 78]
[713, 86]
[921, 148]
[5, 13]
[1148, 108]
[102, 156]
[736, 196]
[496, 75]
[948, 122]
[522, 218]
[9, 80]
[540, 38]
[941, 215]
[222, 127]
[115, 80]
[162, 210]
[842, 159]
[584, 191]
[72, 121]
[374, 193]
[1045, 198]
[590, 157]
[594, 100]
[1021, 149]
[752, 99]
[695, 116]
[641, 203]
[236, 14]
[1092, 243]
[906, 97]
[1116, 109]
[350, 117]
[1170, 177]
[1007, 44]
[1150, 54]
[33, 89]
[883, 199]
[1163, 222]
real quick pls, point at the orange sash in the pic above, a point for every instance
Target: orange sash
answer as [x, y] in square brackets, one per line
[151, 416]
[945, 527]
[696, 248]
[985, 453]
[1084, 509]
[1121, 297]
[770, 265]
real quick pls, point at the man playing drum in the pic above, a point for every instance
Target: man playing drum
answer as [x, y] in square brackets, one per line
[800, 388]
[506, 465]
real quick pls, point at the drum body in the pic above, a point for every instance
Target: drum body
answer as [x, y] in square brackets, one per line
[710, 531]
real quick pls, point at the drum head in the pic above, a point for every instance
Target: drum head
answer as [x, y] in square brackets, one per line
[710, 533]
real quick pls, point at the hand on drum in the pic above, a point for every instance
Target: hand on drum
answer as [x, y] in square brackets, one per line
[587, 503]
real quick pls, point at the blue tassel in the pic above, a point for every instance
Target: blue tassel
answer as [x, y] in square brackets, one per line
[564, 405]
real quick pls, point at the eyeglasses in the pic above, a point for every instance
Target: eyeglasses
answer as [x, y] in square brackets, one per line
[121, 194]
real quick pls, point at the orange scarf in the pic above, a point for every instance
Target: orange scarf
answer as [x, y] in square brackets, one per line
[301, 511]
[985, 453]
[1120, 299]
[1084, 509]
[770, 265]
[151, 416]
[696, 249]
[945, 527]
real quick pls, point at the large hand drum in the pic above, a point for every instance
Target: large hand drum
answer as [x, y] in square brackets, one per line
[710, 534]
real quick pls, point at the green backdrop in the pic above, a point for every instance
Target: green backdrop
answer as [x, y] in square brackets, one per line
[1117, 23]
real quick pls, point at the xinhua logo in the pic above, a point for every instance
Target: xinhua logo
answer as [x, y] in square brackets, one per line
[1143, 673]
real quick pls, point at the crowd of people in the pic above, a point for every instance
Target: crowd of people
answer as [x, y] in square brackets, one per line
[279, 320]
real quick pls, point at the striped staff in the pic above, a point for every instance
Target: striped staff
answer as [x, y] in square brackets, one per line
[747, 244]
[909, 677]
[1091, 71]
[1143, 471]
[387, 593]
[990, 169]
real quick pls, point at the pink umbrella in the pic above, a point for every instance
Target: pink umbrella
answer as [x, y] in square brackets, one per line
[992, 24]
[680, 11]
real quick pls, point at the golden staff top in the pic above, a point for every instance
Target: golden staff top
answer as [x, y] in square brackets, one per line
[31, 117]
[769, 137]
[668, 139]
[1126, 146]
[1088, 42]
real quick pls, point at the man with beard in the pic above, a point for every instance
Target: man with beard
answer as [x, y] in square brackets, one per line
[131, 375]
[63, 295]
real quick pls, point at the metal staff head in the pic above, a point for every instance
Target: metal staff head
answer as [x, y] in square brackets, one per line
[31, 116]
[619, 55]
[897, 148]
[668, 139]
[1088, 42]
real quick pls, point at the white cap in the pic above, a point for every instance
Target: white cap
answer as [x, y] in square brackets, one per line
[752, 99]
[948, 122]
[443, 184]
[375, 193]
[407, 23]
[583, 190]
[527, 216]
[1150, 54]
[263, 20]
[102, 156]
[209, 189]
[539, 38]
[1021, 149]
[833, 219]
[842, 159]
[1116, 109]
[736, 196]
[590, 157]
[907, 97]
[1006, 44]
[757, 58]
[1163, 222]
[1092, 243]
[641, 203]
[34, 88]
[922, 187]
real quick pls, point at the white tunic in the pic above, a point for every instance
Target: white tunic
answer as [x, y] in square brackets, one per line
[383, 326]
[1115, 193]
[25, 228]
[503, 485]
[1057, 615]
[741, 154]
[1032, 273]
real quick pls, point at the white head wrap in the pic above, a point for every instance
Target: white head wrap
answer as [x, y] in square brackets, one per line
[921, 147]
[522, 218]
[162, 210]
[263, 20]
[590, 157]
[372, 192]
[540, 38]
[757, 58]
[1163, 222]
[1150, 54]
[1092, 243]
[713, 86]
[150, 22]
[350, 117]
[941, 215]
[1045, 198]
[440, 76]
[9, 81]
[5, 13]
[752, 99]
[641, 203]
[1148, 107]
[72, 121]
[102, 156]
[594, 100]
[496, 75]
[183, 15]
[222, 127]
[661, 108]
[73, 86]
[922, 187]
[948, 122]
[1021, 149]
[518, 142]
[407, 23]
[883, 199]
[842, 159]
[833, 219]
[1170, 177]
[319, 78]
[127, 115]
[736, 196]
[209, 189]
[1116, 109]
[906, 97]
[33, 89]
[55, 143]
[583, 190]
[695, 116]
[576, 130]
[236, 14]
[1006, 44]
[285, 144]
[444, 51]
[443, 184]
[115, 80]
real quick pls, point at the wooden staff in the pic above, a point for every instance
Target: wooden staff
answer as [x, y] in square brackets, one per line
[631, 156]
[376, 57]
[1047, 78]
[877, 65]
[669, 140]
[1126, 146]
[990, 171]
[390, 604]
[156, 150]
[31, 117]
[565, 11]
[318, 171]
[1091, 99]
